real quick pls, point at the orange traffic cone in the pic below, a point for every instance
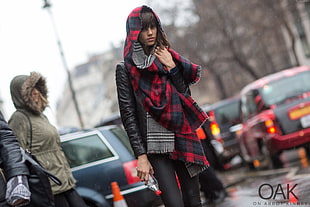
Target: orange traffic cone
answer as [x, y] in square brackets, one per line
[118, 199]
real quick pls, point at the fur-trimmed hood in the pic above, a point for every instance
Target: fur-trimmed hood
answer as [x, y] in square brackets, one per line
[21, 88]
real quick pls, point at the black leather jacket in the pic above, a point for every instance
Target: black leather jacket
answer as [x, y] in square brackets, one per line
[10, 156]
[132, 111]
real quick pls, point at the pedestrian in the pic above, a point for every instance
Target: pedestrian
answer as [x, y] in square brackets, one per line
[35, 133]
[12, 193]
[211, 186]
[157, 111]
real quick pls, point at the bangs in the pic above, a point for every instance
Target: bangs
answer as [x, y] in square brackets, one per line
[148, 20]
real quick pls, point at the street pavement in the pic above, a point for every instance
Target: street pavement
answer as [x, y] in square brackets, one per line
[288, 186]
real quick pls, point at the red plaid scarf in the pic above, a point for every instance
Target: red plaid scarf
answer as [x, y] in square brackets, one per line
[173, 110]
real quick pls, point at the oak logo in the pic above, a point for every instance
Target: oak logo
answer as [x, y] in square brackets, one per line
[267, 191]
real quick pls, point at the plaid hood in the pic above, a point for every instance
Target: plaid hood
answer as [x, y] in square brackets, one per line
[133, 28]
[173, 110]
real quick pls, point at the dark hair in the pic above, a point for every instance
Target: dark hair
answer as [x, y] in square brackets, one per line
[149, 20]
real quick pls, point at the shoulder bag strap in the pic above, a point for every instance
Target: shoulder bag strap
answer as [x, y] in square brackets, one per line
[31, 159]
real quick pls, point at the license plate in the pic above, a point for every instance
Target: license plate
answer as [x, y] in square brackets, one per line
[299, 112]
[305, 121]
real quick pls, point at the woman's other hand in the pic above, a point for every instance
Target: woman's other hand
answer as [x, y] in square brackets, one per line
[164, 57]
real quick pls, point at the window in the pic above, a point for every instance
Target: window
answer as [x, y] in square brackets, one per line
[85, 150]
[228, 114]
[122, 136]
[286, 88]
[248, 104]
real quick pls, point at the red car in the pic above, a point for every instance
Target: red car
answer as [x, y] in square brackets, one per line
[275, 116]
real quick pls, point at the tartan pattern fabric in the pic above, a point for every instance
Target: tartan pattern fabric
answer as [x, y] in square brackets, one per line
[189, 149]
[173, 110]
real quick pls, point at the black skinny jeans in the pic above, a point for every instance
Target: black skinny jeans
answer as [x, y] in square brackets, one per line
[165, 172]
[69, 198]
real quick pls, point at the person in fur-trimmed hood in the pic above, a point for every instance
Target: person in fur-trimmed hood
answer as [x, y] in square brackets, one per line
[157, 111]
[29, 94]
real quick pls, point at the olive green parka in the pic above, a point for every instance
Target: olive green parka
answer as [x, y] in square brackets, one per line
[46, 144]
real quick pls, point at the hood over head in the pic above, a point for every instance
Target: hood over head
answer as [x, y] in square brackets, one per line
[21, 88]
[134, 27]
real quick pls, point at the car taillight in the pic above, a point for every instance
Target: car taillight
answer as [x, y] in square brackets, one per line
[131, 172]
[215, 129]
[271, 128]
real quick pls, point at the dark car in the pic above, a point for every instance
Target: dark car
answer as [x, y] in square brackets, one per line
[224, 118]
[101, 156]
[275, 112]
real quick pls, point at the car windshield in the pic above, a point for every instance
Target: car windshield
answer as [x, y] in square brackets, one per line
[286, 88]
[228, 113]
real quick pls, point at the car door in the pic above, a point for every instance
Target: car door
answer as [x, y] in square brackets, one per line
[251, 129]
[92, 160]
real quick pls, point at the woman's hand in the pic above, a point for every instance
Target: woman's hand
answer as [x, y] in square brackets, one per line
[164, 57]
[144, 168]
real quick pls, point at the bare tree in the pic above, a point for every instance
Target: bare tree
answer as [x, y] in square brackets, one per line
[235, 41]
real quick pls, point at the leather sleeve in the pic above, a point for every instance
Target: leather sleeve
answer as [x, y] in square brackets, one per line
[128, 109]
[10, 152]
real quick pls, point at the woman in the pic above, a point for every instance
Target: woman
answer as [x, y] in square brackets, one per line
[157, 111]
[13, 168]
[29, 95]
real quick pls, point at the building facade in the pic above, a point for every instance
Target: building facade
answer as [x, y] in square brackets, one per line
[94, 85]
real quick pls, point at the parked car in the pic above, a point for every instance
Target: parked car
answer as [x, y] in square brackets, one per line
[220, 129]
[275, 114]
[101, 156]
